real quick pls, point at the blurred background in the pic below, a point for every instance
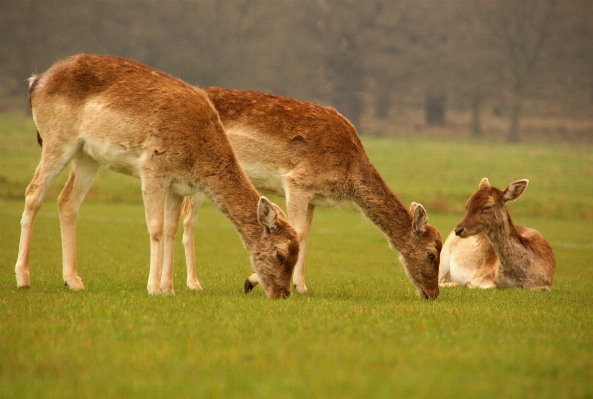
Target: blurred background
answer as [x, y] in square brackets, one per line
[513, 70]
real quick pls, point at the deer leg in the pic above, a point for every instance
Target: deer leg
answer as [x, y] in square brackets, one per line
[50, 166]
[84, 170]
[250, 283]
[153, 193]
[191, 206]
[300, 214]
[299, 269]
[173, 203]
[445, 260]
[484, 278]
[445, 269]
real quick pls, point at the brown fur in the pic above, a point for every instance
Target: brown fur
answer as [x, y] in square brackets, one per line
[489, 249]
[312, 155]
[111, 111]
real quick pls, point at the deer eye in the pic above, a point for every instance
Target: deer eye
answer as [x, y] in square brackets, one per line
[280, 257]
[431, 256]
[486, 208]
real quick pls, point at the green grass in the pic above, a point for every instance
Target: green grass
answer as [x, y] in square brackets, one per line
[441, 174]
[361, 331]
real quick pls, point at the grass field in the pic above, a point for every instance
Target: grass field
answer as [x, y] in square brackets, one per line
[361, 331]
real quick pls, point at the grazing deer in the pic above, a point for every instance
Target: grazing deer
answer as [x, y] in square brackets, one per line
[486, 250]
[100, 110]
[313, 156]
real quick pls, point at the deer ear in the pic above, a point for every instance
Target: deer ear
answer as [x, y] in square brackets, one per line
[514, 190]
[420, 218]
[484, 183]
[413, 206]
[266, 214]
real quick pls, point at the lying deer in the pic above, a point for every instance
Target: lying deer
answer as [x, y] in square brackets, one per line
[487, 250]
[313, 156]
[100, 110]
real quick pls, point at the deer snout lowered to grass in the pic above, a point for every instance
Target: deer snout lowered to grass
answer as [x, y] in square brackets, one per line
[312, 155]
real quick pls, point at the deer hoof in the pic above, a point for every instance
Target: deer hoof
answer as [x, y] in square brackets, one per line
[154, 290]
[22, 279]
[248, 286]
[74, 283]
[194, 286]
[301, 288]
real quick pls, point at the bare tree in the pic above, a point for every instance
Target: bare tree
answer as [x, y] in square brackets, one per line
[477, 70]
[338, 27]
[519, 30]
[574, 45]
[393, 60]
[351, 54]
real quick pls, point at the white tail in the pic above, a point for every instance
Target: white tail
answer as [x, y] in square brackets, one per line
[110, 111]
[486, 250]
[312, 155]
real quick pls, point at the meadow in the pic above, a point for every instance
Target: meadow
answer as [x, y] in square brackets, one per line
[360, 331]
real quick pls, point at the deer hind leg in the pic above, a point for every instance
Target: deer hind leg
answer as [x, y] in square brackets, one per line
[484, 278]
[173, 204]
[191, 206]
[445, 263]
[84, 170]
[51, 164]
[444, 272]
[153, 193]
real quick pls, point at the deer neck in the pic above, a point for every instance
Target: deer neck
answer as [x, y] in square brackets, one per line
[383, 207]
[512, 255]
[233, 194]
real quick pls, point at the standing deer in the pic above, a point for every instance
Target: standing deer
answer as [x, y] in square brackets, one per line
[487, 250]
[313, 156]
[100, 110]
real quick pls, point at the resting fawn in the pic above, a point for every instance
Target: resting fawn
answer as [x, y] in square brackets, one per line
[486, 250]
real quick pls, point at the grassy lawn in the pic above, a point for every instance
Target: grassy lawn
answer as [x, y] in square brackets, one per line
[361, 331]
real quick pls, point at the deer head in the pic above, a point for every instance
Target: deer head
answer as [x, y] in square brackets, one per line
[486, 208]
[422, 257]
[275, 254]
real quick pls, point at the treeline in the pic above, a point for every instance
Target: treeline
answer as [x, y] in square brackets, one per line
[364, 57]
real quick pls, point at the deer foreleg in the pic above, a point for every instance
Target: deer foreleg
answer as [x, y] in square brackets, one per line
[153, 193]
[300, 214]
[191, 206]
[172, 212]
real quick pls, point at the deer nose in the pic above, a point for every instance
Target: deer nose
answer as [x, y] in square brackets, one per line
[248, 286]
[458, 231]
[429, 294]
[281, 294]
[284, 294]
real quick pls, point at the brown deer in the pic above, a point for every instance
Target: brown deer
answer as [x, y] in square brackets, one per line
[313, 156]
[100, 110]
[487, 250]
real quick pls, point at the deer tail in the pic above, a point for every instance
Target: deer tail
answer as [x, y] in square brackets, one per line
[33, 80]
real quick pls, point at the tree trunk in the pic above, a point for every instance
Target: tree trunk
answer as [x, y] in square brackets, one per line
[435, 109]
[475, 111]
[591, 87]
[382, 100]
[348, 86]
[347, 101]
[516, 106]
